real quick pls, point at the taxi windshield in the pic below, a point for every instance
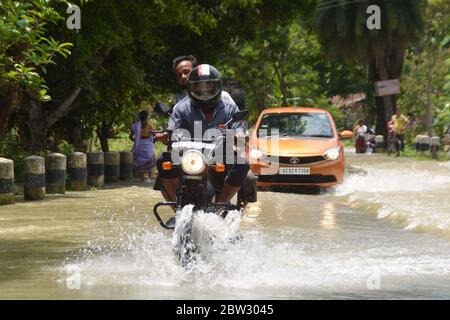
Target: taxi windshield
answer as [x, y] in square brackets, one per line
[314, 125]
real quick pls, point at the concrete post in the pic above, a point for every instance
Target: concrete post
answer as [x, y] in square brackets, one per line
[55, 173]
[379, 143]
[424, 143]
[7, 188]
[435, 146]
[96, 169]
[76, 167]
[112, 166]
[34, 178]
[126, 165]
[418, 137]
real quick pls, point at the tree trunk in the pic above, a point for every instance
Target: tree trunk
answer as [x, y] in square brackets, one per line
[38, 138]
[384, 103]
[37, 126]
[76, 135]
[281, 79]
[39, 123]
[429, 117]
[395, 66]
[102, 134]
[7, 104]
[389, 66]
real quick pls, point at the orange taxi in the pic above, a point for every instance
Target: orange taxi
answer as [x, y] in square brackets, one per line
[296, 146]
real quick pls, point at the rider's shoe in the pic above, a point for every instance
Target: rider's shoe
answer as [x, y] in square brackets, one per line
[171, 223]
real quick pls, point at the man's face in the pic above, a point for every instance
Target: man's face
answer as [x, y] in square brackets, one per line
[182, 71]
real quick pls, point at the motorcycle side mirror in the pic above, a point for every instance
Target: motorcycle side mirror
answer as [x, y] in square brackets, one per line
[240, 115]
[162, 109]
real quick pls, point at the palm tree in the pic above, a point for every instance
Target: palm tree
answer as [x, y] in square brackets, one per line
[343, 33]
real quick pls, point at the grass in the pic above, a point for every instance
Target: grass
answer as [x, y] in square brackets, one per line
[412, 153]
[123, 143]
[348, 143]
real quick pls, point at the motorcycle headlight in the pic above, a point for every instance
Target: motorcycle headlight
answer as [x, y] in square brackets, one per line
[332, 154]
[193, 162]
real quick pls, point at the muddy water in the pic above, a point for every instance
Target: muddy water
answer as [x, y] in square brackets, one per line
[383, 233]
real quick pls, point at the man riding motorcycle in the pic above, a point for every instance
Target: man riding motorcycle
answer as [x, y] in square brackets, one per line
[205, 107]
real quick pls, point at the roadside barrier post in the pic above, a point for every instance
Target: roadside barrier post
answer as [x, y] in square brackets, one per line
[435, 146]
[55, 173]
[34, 178]
[96, 169]
[424, 143]
[76, 164]
[7, 188]
[112, 166]
[379, 143]
[418, 137]
[126, 165]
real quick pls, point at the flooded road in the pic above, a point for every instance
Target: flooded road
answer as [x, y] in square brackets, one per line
[384, 233]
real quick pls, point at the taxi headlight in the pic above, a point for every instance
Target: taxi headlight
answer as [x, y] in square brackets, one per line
[193, 162]
[332, 154]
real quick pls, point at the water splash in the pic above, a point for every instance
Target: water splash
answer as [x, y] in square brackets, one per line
[198, 234]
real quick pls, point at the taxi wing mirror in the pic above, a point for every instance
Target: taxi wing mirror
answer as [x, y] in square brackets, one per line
[346, 134]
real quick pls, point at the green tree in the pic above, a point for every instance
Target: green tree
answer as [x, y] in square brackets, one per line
[122, 57]
[343, 33]
[117, 38]
[426, 69]
[283, 65]
[26, 51]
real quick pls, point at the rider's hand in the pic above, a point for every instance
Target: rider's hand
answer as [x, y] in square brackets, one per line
[162, 137]
[240, 134]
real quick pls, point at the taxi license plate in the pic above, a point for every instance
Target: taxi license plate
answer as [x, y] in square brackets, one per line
[299, 171]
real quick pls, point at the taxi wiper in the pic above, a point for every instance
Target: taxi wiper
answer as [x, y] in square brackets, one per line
[319, 136]
[290, 134]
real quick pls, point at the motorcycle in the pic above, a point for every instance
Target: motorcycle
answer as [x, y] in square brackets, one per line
[196, 158]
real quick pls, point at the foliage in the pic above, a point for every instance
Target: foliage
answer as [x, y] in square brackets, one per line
[26, 50]
[342, 31]
[140, 38]
[426, 65]
[65, 148]
[11, 149]
[283, 65]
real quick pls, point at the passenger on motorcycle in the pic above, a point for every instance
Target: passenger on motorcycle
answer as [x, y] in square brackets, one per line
[207, 107]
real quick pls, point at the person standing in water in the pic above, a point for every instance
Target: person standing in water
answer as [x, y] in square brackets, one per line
[143, 148]
[399, 124]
